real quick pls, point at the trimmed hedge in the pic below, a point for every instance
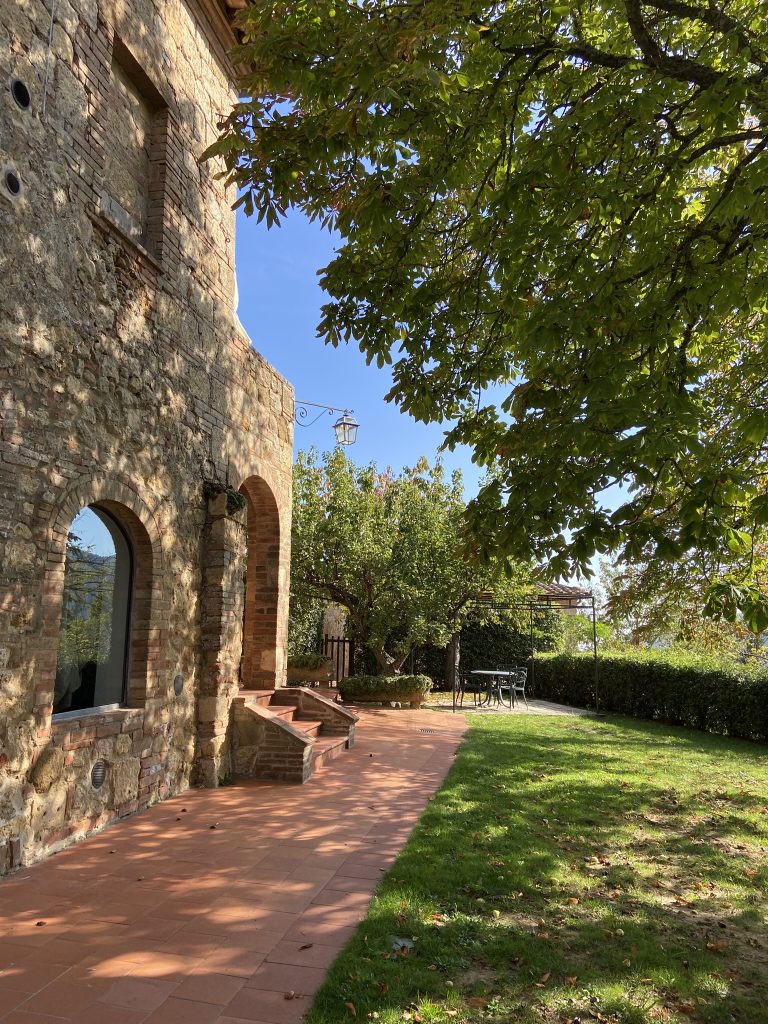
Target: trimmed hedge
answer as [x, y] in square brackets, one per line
[485, 644]
[723, 701]
[385, 688]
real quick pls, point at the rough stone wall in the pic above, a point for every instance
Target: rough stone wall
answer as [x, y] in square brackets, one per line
[125, 381]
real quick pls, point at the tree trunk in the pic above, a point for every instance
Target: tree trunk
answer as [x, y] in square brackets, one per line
[452, 654]
[385, 663]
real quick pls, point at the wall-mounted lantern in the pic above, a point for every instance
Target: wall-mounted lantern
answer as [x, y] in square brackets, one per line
[345, 427]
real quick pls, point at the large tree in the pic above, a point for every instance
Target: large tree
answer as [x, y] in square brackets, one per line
[553, 224]
[386, 548]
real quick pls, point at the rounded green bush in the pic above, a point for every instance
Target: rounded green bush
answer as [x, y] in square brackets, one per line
[310, 661]
[412, 689]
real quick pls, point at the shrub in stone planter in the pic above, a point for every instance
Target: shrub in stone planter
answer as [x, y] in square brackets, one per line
[386, 689]
[309, 668]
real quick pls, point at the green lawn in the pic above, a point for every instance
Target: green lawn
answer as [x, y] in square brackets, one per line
[573, 870]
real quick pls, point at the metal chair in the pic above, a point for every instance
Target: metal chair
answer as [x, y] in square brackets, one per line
[514, 683]
[471, 684]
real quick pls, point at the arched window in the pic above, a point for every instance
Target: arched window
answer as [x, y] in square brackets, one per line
[93, 639]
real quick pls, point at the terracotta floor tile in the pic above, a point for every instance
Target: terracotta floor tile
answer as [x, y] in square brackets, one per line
[252, 1004]
[21, 1017]
[234, 962]
[139, 994]
[238, 1020]
[168, 921]
[337, 899]
[310, 873]
[30, 976]
[11, 998]
[370, 871]
[209, 988]
[95, 968]
[65, 999]
[304, 931]
[104, 1013]
[343, 883]
[275, 977]
[305, 954]
[13, 953]
[184, 1011]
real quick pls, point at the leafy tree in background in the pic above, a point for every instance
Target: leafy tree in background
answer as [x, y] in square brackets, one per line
[553, 225]
[386, 548]
[651, 603]
[86, 618]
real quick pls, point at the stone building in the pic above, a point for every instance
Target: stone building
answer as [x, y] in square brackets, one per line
[133, 406]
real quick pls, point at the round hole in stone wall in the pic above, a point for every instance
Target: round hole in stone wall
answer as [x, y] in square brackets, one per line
[13, 183]
[98, 774]
[21, 94]
[178, 684]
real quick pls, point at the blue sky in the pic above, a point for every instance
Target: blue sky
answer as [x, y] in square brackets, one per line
[280, 301]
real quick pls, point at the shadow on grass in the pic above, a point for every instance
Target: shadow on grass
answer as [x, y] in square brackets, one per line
[571, 868]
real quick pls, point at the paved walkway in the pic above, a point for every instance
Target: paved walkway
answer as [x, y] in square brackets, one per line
[534, 707]
[213, 907]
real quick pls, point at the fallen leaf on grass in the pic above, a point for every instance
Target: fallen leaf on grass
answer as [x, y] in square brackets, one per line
[351, 1009]
[572, 901]
[571, 979]
[478, 1002]
[383, 987]
[543, 980]
[717, 947]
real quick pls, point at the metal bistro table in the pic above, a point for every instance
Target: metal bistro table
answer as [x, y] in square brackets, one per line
[493, 691]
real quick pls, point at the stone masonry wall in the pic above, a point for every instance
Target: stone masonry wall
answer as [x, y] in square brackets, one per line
[126, 381]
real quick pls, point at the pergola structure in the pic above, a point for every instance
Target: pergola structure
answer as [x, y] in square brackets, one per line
[551, 596]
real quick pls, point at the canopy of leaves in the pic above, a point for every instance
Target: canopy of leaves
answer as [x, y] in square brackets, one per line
[650, 603]
[564, 203]
[386, 548]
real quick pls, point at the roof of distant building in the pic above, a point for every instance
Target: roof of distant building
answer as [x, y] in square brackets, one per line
[560, 590]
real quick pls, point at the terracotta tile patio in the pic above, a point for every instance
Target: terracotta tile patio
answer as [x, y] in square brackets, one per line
[209, 908]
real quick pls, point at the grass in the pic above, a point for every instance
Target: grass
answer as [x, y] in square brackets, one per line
[573, 870]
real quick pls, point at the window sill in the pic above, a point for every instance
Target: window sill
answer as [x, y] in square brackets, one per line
[101, 220]
[88, 717]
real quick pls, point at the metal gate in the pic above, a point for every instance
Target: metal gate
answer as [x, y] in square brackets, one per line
[341, 652]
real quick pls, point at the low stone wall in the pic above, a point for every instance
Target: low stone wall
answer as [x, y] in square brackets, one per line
[60, 803]
[266, 747]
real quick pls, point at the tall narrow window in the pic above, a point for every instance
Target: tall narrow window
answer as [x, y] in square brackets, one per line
[91, 666]
[135, 145]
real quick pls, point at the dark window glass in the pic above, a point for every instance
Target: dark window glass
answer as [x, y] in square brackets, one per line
[91, 666]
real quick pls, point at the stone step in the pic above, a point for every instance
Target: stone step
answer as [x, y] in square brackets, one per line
[285, 711]
[295, 744]
[310, 726]
[325, 749]
[260, 697]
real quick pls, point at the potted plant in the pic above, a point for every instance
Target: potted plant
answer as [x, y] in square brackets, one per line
[309, 668]
[411, 690]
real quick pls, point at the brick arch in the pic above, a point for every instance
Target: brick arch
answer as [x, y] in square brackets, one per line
[261, 620]
[148, 613]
